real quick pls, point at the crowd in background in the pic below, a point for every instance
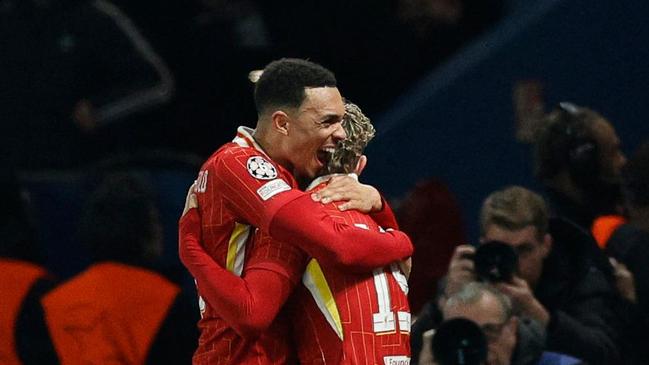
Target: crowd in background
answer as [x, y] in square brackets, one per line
[88, 78]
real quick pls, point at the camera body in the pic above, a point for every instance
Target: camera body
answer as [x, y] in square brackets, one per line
[495, 262]
[459, 341]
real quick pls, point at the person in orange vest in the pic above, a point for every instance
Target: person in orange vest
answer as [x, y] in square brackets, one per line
[23, 338]
[119, 310]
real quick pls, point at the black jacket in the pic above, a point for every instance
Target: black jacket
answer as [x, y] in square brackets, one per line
[581, 300]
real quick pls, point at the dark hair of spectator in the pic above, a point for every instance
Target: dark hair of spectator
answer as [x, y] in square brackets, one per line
[17, 237]
[120, 220]
[636, 178]
[282, 83]
[561, 131]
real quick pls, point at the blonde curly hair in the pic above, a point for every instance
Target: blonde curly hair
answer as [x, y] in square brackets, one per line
[360, 131]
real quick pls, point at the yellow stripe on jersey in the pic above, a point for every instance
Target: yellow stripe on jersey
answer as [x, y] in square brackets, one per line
[237, 248]
[316, 282]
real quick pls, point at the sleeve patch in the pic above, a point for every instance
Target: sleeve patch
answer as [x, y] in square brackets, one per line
[261, 169]
[272, 188]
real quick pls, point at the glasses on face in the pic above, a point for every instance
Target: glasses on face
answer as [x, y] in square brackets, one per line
[493, 330]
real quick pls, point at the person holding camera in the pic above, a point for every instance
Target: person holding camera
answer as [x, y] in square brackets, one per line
[554, 282]
[510, 339]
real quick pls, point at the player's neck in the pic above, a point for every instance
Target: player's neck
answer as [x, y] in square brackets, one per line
[272, 147]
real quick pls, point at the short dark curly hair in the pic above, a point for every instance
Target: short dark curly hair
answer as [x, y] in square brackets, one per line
[635, 183]
[283, 81]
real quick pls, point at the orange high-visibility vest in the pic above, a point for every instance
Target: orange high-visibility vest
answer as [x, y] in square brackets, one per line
[16, 280]
[604, 227]
[108, 314]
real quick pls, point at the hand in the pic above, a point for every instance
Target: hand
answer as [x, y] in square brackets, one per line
[624, 281]
[523, 300]
[190, 201]
[406, 266]
[426, 353]
[364, 198]
[460, 269]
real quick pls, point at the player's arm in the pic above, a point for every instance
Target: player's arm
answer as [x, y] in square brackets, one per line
[248, 304]
[335, 243]
[362, 197]
[290, 215]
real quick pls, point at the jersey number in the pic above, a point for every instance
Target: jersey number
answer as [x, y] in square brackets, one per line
[385, 320]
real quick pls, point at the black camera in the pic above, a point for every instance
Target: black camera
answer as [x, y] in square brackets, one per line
[495, 262]
[459, 341]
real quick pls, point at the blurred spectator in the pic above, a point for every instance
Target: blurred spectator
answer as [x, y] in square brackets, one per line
[70, 69]
[556, 283]
[629, 244]
[431, 217]
[579, 161]
[23, 337]
[119, 309]
[511, 339]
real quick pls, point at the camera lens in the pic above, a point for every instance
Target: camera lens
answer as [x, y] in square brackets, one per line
[459, 341]
[495, 261]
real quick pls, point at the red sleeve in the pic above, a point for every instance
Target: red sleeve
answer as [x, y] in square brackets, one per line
[307, 224]
[282, 258]
[248, 304]
[290, 215]
[252, 197]
[385, 217]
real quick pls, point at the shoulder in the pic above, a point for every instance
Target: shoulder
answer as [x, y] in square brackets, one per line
[232, 157]
[555, 358]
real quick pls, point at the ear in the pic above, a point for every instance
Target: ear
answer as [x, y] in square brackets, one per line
[280, 122]
[360, 165]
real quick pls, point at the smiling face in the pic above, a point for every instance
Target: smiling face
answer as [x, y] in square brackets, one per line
[314, 130]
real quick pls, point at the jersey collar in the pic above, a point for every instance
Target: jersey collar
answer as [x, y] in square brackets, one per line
[244, 138]
[320, 179]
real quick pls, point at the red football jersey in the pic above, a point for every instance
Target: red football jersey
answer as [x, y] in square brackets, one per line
[226, 230]
[344, 318]
[240, 191]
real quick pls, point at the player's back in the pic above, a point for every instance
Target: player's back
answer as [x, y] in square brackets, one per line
[352, 318]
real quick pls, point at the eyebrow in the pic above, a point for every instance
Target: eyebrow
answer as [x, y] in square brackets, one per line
[330, 117]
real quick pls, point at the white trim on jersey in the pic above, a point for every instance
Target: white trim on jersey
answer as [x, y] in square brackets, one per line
[399, 277]
[320, 179]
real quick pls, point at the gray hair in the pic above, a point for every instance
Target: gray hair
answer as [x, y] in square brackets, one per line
[472, 292]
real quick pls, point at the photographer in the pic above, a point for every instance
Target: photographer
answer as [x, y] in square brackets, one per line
[510, 340]
[555, 283]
